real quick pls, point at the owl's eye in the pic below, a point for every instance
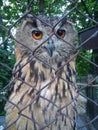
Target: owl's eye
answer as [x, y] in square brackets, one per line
[61, 33]
[37, 34]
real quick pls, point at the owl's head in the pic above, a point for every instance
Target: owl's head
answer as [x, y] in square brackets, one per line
[49, 38]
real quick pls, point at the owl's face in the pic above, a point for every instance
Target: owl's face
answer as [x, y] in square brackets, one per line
[49, 39]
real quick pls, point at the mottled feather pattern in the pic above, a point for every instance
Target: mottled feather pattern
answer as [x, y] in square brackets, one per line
[44, 90]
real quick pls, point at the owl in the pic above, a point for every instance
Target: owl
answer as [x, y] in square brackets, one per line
[43, 87]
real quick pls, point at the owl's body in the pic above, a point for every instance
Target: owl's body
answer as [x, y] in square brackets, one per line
[44, 89]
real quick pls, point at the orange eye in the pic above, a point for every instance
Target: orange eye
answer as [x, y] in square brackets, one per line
[61, 33]
[37, 34]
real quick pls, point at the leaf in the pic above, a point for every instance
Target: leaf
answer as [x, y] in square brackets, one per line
[1, 3]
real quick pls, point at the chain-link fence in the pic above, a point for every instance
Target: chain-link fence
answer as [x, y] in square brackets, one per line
[45, 92]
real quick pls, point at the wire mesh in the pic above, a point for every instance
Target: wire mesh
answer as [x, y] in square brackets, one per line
[86, 87]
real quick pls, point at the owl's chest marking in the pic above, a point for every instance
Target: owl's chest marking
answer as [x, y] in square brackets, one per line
[52, 86]
[42, 92]
[45, 80]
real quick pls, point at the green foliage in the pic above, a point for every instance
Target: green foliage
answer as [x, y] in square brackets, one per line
[7, 60]
[83, 66]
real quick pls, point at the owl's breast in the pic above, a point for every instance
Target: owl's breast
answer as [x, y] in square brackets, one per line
[43, 96]
[55, 97]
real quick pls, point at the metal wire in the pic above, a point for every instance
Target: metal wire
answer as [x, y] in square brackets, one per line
[75, 52]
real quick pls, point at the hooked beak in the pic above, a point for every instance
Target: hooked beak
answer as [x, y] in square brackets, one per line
[50, 48]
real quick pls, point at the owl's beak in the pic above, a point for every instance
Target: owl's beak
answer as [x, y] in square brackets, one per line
[50, 48]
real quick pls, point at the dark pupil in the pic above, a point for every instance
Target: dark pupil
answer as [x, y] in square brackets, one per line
[60, 32]
[37, 33]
